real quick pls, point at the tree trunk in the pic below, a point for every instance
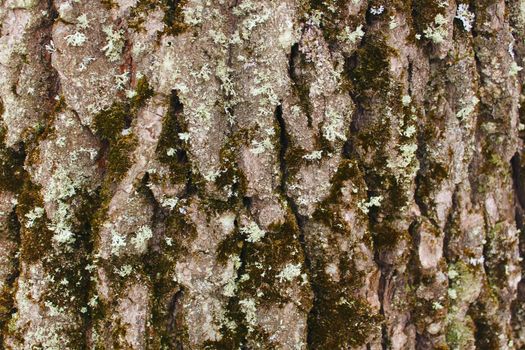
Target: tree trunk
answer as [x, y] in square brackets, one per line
[241, 174]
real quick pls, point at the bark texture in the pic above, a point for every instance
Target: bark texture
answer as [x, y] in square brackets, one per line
[242, 174]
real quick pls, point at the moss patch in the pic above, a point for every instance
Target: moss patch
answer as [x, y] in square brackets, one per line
[11, 171]
[338, 320]
[173, 14]
[171, 149]
[371, 75]
[119, 160]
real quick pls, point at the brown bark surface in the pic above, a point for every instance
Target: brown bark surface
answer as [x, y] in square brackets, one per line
[242, 174]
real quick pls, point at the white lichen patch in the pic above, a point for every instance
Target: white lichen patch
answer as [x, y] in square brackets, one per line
[86, 61]
[76, 39]
[82, 21]
[193, 14]
[365, 206]
[290, 272]
[121, 80]
[184, 136]
[393, 23]
[61, 186]
[230, 288]
[170, 152]
[468, 109]
[61, 225]
[253, 14]
[334, 126]
[514, 69]
[315, 155]
[124, 271]
[249, 309]
[50, 47]
[118, 242]
[169, 202]
[259, 147]
[253, 232]
[465, 16]
[377, 10]
[33, 215]
[114, 43]
[141, 238]
[437, 32]
[409, 131]
[352, 36]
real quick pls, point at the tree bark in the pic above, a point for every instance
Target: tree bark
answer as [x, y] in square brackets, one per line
[240, 174]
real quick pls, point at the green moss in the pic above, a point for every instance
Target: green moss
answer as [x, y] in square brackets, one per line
[11, 169]
[265, 259]
[107, 3]
[334, 14]
[371, 74]
[230, 246]
[143, 93]
[487, 336]
[11, 229]
[231, 179]
[338, 320]
[35, 242]
[174, 16]
[262, 261]
[231, 338]
[434, 175]
[459, 333]
[424, 13]
[109, 125]
[171, 150]
[180, 225]
[299, 69]
[110, 122]
[326, 211]
[118, 158]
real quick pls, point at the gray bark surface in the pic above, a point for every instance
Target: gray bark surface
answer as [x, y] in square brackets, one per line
[241, 174]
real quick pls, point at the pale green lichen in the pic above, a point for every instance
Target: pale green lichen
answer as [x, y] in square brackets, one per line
[374, 201]
[514, 69]
[82, 21]
[437, 32]
[114, 43]
[315, 155]
[121, 80]
[352, 36]
[289, 272]
[76, 39]
[253, 232]
[334, 127]
[465, 16]
[33, 215]
[468, 109]
[141, 238]
[249, 309]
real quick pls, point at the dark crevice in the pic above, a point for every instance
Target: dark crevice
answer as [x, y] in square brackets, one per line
[518, 306]
[284, 144]
[299, 219]
[175, 320]
[7, 296]
[169, 140]
[449, 224]
[299, 84]
[518, 179]
[422, 177]
[381, 295]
